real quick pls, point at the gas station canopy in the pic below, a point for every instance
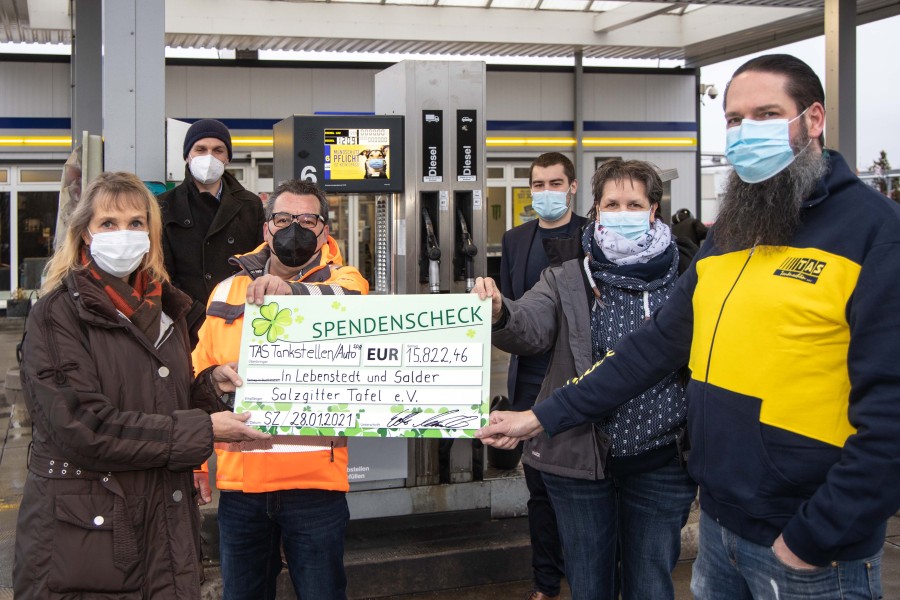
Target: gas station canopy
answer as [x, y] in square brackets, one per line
[698, 33]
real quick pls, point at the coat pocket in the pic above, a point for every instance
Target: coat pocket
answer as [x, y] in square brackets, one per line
[83, 553]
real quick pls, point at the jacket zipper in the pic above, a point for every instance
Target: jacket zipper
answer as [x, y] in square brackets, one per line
[712, 341]
[166, 335]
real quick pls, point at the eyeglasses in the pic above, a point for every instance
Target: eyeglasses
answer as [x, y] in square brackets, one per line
[306, 220]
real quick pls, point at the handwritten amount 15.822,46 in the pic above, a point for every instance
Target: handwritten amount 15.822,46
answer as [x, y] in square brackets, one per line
[417, 354]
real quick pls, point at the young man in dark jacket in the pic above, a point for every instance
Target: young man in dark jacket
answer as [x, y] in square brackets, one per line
[207, 219]
[788, 318]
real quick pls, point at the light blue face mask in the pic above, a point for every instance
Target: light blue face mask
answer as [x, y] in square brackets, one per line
[759, 150]
[550, 205]
[630, 224]
[376, 163]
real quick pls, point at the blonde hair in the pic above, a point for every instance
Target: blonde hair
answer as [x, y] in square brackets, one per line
[109, 190]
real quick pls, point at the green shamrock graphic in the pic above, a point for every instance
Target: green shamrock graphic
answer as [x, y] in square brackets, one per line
[272, 322]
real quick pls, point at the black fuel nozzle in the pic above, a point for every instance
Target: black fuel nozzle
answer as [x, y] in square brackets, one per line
[469, 250]
[433, 252]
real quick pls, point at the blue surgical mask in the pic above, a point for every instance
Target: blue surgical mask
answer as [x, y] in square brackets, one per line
[759, 150]
[376, 163]
[550, 205]
[630, 224]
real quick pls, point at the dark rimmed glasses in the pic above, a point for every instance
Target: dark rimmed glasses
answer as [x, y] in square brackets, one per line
[305, 220]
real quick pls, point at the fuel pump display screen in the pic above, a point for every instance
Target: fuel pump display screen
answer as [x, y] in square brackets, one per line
[357, 154]
[343, 154]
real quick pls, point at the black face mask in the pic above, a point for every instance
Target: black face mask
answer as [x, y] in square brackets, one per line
[294, 245]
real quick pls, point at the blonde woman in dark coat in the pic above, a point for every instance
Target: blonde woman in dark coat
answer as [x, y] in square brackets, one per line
[108, 509]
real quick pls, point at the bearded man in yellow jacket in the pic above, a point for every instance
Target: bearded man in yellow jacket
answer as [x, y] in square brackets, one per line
[288, 490]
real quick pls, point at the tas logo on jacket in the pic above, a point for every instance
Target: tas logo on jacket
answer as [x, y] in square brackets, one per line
[804, 269]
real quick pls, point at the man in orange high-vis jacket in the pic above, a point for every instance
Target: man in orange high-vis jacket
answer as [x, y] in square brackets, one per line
[289, 490]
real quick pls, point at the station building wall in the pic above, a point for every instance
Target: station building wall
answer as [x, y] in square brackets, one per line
[633, 114]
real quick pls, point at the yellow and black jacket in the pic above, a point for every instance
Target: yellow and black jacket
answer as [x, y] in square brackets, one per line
[794, 399]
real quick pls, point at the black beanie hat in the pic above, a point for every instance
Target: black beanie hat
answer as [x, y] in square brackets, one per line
[207, 128]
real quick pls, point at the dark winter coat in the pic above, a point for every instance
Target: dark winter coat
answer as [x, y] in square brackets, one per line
[516, 245]
[198, 260]
[108, 509]
[555, 315]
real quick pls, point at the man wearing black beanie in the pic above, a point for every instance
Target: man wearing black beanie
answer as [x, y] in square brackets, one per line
[207, 219]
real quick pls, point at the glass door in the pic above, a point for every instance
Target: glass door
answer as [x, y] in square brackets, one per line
[37, 226]
[28, 234]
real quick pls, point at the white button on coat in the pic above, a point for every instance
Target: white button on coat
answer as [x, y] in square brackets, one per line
[98, 520]
[177, 495]
[163, 371]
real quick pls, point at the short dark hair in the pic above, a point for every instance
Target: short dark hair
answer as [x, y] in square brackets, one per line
[548, 159]
[617, 169]
[803, 85]
[298, 187]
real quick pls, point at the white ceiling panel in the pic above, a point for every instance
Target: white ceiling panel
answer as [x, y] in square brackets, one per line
[579, 5]
[698, 33]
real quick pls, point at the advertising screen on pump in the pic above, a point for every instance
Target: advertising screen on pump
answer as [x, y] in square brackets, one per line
[370, 366]
[352, 154]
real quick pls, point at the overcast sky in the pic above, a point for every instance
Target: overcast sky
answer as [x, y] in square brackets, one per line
[878, 90]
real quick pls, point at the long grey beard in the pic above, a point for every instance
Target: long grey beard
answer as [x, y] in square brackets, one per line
[767, 213]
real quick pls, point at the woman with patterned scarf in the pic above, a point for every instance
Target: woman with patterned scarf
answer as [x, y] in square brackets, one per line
[619, 489]
[108, 507]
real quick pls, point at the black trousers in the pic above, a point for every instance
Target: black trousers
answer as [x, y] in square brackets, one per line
[546, 550]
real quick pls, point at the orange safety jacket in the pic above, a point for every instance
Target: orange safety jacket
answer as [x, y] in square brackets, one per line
[283, 462]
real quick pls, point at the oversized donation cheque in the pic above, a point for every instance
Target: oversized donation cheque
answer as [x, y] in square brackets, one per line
[373, 366]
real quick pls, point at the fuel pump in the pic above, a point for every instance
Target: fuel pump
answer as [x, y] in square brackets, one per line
[438, 223]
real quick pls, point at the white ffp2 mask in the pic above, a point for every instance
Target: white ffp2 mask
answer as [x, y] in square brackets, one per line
[206, 168]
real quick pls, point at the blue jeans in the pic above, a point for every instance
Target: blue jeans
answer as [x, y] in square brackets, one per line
[641, 515]
[310, 524]
[728, 567]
